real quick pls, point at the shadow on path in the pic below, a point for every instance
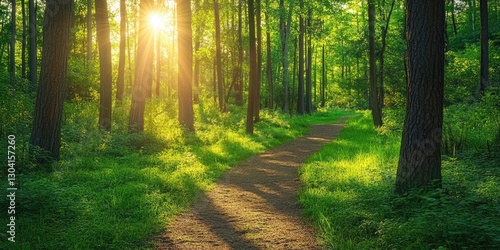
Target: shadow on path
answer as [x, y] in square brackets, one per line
[254, 205]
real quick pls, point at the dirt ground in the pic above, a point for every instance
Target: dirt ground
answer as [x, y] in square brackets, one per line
[254, 205]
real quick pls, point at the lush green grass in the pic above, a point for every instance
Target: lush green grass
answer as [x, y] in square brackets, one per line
[348, 193]
[117, 191]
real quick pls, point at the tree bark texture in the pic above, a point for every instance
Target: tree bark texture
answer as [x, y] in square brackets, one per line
[105, 72]
[252, 88]
[420, 155]
[300, 90]
[185, 64]
[46, 130]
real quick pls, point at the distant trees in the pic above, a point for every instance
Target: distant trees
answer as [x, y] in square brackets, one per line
[46, 131]
[105, 91]
[32, 59]
[420, 155]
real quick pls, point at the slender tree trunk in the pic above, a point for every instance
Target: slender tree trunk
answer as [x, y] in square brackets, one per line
[269, 66]
[252, 88]
[32, 61]
[46, 131]
[89, 30]
[103, 40]
[285, 37]
[197, 44]
[12, 53]
[139, 89]
[218, 54]
[385, 29]
[323, 78]
[420, 154]
[158, 63]
[239, 83]
[375, 107]
[453, 19]
[185, 62]
[120, 82]
[483, 6]
[259, 59]
[300, 96]
[308, 103]
[23, 42]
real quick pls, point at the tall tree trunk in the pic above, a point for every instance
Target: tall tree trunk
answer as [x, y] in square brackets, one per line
[32, 61]
[259, 59]
[23, 42]
[139, 89]
[420, 155]
[285, 37]
[103, 41]
[239, 83]
[252, 88]
[453, 19]
[197, 44]
[89, 30]
[12, 53]
[308, 103]
[323, 78]
[120, 82]
[218, 54]
[269, 66]
[385, 29]
[375, 107]
[483, 6]
[158, 63]
[185, 62]
[46, 130]
[300, 92]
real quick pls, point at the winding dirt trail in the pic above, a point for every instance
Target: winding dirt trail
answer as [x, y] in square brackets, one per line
[254, 205]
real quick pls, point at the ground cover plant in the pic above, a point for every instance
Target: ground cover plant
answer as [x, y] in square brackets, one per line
[118, 190]
[348, 193]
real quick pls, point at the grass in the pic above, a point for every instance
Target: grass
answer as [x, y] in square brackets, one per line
[348, 194]
[117, 191]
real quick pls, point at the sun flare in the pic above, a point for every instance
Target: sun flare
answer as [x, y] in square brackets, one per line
[157, 21]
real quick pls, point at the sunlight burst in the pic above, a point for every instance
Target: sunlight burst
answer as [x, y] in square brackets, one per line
[157, 21]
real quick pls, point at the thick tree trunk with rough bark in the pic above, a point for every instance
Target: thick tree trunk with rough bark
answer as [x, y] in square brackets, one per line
[420, 155]
[103, 42]
[46, 131]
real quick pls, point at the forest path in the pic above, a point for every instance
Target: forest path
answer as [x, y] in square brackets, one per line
[254, 205]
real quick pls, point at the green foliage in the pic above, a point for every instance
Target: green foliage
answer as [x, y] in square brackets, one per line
[82, 79]
[472, 126]
[348, 192]
[118, 190]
